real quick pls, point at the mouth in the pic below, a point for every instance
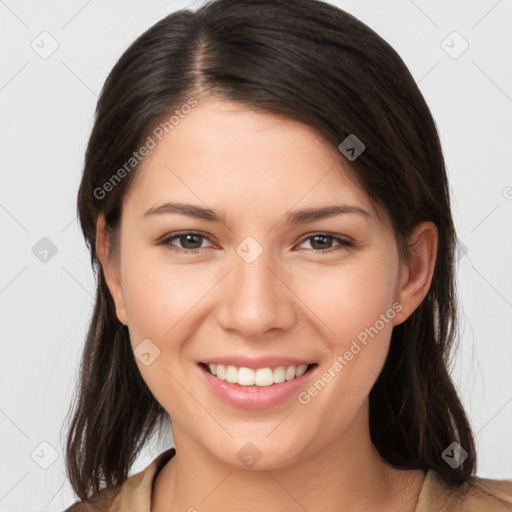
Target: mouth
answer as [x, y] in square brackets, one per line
[257, 377]
[261, 388]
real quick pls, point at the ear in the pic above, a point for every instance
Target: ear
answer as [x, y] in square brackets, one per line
[416, 277]
[110, 269]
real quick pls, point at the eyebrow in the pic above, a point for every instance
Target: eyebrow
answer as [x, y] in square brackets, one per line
[293, 217]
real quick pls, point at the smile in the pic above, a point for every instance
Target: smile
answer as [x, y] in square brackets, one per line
[262, 377]
[256, 388]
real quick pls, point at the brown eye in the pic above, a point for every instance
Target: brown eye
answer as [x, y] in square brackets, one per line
[190, 242]
[322, 242]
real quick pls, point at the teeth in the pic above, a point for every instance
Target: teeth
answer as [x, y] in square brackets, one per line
[246, 377]
[279, 374]
[260, 377]
[231, 374]
[301, 370]
[221, 372]
[264, 377]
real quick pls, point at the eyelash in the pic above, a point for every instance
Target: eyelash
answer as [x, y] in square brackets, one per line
[343, 243]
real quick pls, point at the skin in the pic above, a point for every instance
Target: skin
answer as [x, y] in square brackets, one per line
[253, 168]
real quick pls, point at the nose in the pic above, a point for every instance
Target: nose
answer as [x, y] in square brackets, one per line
[255, 299]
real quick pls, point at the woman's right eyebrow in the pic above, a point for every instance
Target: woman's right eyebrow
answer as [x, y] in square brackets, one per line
[189, 210]
[292, 217]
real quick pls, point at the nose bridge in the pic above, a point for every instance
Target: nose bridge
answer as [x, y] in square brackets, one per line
[256, 301]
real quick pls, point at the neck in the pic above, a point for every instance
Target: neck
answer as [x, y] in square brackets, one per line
[346, 474]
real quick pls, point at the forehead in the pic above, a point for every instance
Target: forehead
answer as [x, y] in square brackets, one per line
[225, 153]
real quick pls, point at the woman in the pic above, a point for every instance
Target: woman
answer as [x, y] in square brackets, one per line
[266, 204]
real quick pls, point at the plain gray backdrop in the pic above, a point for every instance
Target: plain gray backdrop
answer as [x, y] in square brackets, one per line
[55, 56]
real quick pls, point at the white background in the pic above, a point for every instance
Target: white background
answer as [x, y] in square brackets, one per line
[47, 108]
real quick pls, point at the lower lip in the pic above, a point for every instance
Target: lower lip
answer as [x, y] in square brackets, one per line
[255, 397]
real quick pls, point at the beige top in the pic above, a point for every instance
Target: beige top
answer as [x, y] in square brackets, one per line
[484, 495]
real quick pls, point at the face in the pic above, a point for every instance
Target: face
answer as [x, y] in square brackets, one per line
[260, 290]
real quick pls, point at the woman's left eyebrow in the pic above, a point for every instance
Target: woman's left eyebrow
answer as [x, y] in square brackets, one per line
[293, 217]
[312, 214]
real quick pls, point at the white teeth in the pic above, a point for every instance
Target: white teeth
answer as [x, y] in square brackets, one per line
[221, 371]
[246, 377]
[264, 377]
[279, 374]
[301, 370]
[260, 377]
[231, 374]
[290, 373]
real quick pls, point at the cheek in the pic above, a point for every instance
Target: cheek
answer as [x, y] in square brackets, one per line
[160, 300]
[351, 299]
[356, 304]
[158, 296]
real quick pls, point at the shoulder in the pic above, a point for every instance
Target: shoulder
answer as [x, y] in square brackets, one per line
[136, 490]
[494, 493]
[101, 502]
[480, 494]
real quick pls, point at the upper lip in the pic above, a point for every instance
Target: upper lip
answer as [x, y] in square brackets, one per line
[256, 362]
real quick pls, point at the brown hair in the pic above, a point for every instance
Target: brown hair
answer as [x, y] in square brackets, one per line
[312, 62]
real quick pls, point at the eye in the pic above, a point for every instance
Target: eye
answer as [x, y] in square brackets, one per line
[190, 241]
[323, 241]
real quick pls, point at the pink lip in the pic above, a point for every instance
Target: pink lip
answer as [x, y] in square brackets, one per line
[256, 362]
[255, 397]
